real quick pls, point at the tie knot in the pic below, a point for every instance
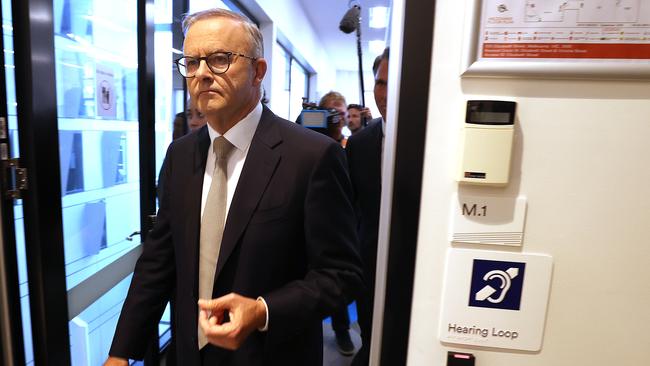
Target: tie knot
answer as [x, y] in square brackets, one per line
[222, 147]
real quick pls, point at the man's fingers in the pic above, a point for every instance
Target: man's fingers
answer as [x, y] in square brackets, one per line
[213, 321]
[218, 304]
[207, 304]
[203, 320]
[243, 319]
[217, 333]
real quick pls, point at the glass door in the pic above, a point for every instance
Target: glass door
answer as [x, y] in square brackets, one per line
[96, 62]
[16, 321]
[80, 76]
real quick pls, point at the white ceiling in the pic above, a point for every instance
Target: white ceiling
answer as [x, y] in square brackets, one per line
[325, 16]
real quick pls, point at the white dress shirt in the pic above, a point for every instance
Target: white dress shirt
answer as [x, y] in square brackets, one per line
[240, 135]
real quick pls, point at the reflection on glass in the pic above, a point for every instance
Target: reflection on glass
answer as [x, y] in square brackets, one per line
[96, 82]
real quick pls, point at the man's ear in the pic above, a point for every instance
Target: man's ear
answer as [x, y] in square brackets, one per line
[260, 71]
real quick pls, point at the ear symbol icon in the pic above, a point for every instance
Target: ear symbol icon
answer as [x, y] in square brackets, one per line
[506, 280]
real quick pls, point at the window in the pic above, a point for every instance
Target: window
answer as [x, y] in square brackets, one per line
[290, 84]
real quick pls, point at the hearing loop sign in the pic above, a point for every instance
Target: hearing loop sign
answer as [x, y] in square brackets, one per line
[496, 284]
[495, 299]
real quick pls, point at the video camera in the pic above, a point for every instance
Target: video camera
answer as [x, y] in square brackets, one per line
[316, 118]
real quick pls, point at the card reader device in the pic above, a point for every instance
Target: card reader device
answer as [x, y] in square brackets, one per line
[460, 359]
[486, 146]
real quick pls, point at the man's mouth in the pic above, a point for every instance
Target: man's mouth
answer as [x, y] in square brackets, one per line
[207, 91]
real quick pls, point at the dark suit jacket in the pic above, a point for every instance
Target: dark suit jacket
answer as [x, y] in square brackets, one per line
[364, 159]
[289, 237]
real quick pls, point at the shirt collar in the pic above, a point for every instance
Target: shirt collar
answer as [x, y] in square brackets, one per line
[241, 134]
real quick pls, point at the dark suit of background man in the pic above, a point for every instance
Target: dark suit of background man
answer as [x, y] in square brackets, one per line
[280, 267]
[365, 151]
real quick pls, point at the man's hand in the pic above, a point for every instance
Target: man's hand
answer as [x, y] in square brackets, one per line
[246, 315]
[116, 361]
[366, 113]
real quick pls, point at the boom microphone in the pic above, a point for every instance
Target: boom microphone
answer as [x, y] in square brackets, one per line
[350, 20]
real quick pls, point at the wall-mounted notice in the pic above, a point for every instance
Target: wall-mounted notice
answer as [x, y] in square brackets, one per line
[495, 299]
[561, 29]
[105, 92]
[488, 220]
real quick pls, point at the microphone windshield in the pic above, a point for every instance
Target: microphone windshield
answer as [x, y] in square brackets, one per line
[350, 20]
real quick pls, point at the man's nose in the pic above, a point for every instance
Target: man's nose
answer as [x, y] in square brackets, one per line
[203, 72]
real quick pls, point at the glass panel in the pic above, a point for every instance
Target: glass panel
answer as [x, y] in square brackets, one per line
[7, 38]
[97, 78]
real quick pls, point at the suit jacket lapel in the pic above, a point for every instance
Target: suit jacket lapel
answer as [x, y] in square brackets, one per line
[261, 163]
[193, 191]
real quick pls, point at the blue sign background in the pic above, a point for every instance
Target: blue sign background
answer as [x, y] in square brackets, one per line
[512, 299]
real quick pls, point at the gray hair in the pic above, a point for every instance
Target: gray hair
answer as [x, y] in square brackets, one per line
[256, 41]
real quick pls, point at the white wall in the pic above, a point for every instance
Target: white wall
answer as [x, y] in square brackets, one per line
[581, 159]
[289, 17]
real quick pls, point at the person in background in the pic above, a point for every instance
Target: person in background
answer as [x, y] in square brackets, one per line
[334, 100]
[190, 120]
[365, 153]
[243, 240]
[179, 126]
[357, 115]
[195, 119]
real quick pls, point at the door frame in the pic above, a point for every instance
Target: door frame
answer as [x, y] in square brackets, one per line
[411, 44]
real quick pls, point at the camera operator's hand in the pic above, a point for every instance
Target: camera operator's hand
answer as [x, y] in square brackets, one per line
[365, 113]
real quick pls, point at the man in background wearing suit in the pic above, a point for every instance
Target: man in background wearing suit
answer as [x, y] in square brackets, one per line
[365, 151]
[243, 239]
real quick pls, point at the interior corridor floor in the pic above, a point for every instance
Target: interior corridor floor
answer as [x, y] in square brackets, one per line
[331, 356]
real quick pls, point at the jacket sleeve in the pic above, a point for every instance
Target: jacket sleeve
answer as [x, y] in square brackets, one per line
[334, 274]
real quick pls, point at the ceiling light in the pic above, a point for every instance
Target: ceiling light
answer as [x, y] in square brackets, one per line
[378, 16]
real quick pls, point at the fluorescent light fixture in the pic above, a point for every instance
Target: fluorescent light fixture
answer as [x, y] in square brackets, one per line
[378, 17]
[376, 47]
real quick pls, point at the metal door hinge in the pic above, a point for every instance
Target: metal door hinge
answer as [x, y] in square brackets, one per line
[15, 178]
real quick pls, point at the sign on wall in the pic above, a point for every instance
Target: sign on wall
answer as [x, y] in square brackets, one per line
[561, 29]
[559, 38]
[495, 299]
[105, 92]
[488, 220]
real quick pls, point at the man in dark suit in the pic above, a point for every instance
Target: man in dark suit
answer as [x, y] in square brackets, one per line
[365, 151]
[245, 218]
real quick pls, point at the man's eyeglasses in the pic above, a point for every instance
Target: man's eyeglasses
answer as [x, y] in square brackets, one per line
[218, 63]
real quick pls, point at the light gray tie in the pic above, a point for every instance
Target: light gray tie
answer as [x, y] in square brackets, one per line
[212, 223]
